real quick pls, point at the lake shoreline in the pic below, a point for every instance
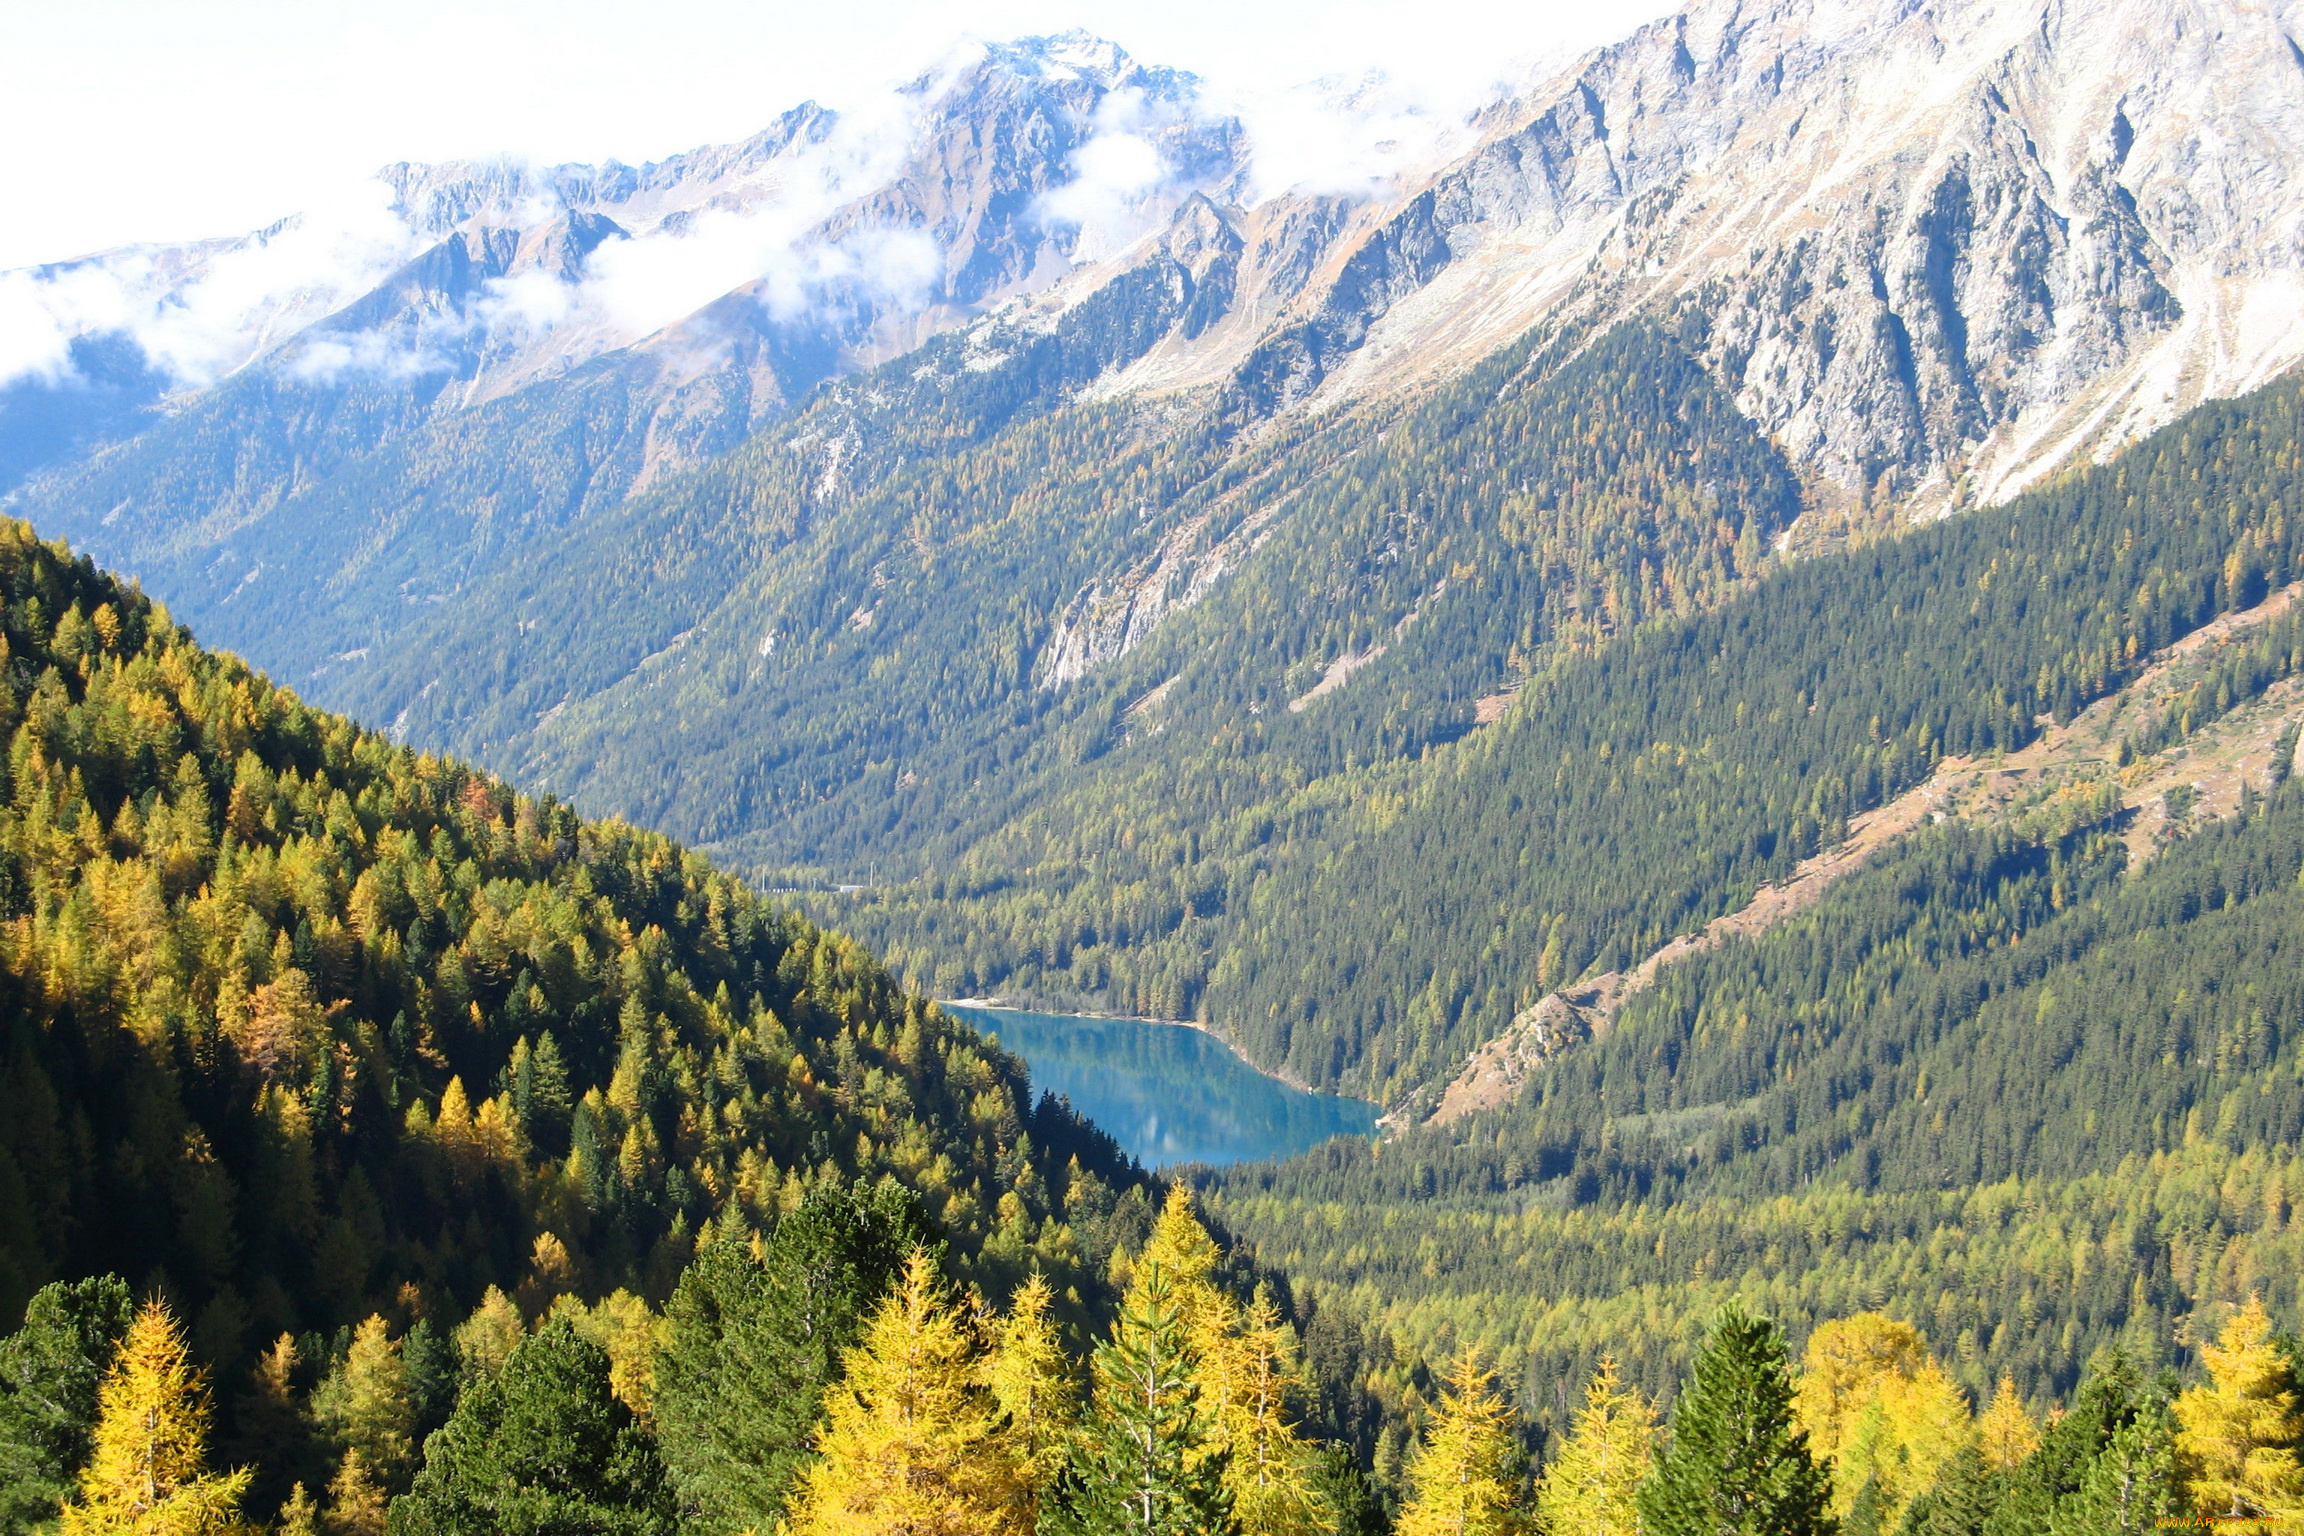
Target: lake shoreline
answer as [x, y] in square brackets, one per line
[1168, 1090]
[1279, 1075]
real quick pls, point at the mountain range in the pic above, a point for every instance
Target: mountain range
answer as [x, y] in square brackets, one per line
[1005, 504]
[1724, 636]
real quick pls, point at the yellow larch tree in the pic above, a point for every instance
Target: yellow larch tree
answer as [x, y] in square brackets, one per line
[147, 1473]
[1245, 1365]
[1269, 1468]
[624, 1325]
[299, 1516]
[1588, 1489]
[485, 1340]
[1460, 1479]
[1033, 1386]
[1185, 1255]
[357, 1504]
[912, 1442]
[364, 1405]
[2005, 1432]
[1875, 1401]
[2236, 1438]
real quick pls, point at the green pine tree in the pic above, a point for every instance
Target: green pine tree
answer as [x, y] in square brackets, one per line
[49, 1370]
[753, 1343]
[1146, 1462]
[539, 1449]
[431, 1363]
[1736, 1463]
[1865, 1515]
[1965, 1493]
[2132, 1486]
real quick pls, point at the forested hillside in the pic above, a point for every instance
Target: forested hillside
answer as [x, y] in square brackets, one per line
[1632, 793]
[303, 1026]
[1146, 796]
[1994, 1085]
[1112, 595]
[952, 617]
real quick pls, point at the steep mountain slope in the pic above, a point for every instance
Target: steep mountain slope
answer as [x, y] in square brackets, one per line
[1119, 634]
[1990, 1085]
[2024, 1076]
[1402, 913]
[1940, 247]
[299, 1022]
[1935, 250]
[590, 329]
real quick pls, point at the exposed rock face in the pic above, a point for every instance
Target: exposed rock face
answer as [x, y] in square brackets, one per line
[1935, 248]
[521, 363]
[842, 243]
[903, 230]
[438, 199]
[1551, 1025]
[1109, 618]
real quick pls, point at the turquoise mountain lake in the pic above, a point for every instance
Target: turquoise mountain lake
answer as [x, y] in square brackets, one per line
[1167, 1092]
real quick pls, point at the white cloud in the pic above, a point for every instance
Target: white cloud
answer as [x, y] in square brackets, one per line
[176, 111]
[528, 302]
[198, 315]
[642, 285]
[41, 313]
[637, 286]
[1444, 58]
[1106, 199]
[261, 291]
[1353, 135]
[202, 318]
[324, 359]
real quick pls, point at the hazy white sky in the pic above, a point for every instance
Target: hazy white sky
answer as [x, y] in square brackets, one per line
[129, 120]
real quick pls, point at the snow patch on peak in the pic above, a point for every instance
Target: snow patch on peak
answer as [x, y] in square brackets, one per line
[1074, 53]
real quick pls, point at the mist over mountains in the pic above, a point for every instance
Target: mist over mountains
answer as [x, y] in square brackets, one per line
[860, 496]
[1722, 636]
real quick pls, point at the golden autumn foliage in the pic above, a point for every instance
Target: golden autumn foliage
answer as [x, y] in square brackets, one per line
[147, 1475]
[1185, 1255]
[1032, 1382]
[363, 1405]
[485, 1340]
[622, 1324]
[1588, 1488]
[369, 1017]
[912, 1442]
[1247, 1370]
[1460, 1478]
[1875, 1401]
[299, 1516]
[2237, 1435]
[1269, 1469]
[357, 1503]
[2004, 1430]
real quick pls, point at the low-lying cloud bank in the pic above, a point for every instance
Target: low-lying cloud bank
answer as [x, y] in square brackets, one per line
[199, 312]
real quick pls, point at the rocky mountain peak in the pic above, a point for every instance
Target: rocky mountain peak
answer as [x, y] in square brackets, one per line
[1935, 247]
[1077, 54]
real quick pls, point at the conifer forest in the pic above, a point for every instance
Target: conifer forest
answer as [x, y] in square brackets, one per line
[1716, 649]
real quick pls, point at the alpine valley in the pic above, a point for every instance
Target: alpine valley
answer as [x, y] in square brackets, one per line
[1724, 638]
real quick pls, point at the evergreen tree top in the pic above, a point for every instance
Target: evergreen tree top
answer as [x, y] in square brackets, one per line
[1736, 1461]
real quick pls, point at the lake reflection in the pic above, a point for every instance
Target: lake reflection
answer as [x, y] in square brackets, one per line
[1169, 1093]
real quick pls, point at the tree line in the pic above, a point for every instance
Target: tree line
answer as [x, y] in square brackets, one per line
[890, 1400]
